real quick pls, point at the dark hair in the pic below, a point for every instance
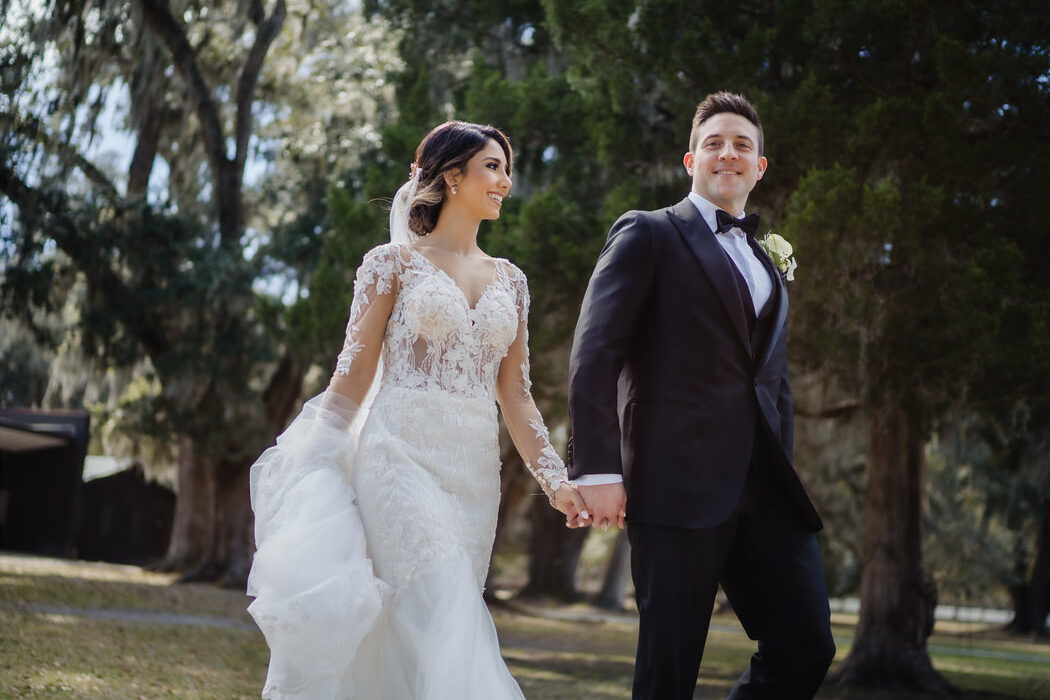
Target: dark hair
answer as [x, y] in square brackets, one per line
[719, 102]
[447, 147]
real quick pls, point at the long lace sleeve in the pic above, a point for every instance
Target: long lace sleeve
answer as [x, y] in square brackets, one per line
[375, 289]
[312, 578]
[523, 419]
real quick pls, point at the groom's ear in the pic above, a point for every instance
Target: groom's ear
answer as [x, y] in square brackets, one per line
[762, 163]
[687, 161]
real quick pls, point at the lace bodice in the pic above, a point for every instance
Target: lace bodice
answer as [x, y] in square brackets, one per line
[433, 340]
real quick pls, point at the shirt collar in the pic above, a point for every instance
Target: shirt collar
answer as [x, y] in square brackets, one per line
[707, 210]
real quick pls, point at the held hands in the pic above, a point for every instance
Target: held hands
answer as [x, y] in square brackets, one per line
[606, 504]
[584, 506]
[567, 499]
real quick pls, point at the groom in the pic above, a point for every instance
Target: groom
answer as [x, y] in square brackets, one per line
[682, 422]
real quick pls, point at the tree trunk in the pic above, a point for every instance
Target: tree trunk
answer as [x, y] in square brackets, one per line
[1040, 587]
[514, 486]
[554, 552]
[150, 124]
[1031, 597]
[193, 524]
[234, 536]
[897, 597]
[229, 203]
[212, 535]
[617, 574]
[515, 481]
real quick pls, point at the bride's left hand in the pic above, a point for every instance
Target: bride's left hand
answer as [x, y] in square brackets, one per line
[568, 500]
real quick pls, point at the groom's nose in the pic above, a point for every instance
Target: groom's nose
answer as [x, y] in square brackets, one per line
[728, 152]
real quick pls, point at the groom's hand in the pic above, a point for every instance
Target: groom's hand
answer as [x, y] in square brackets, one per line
[606, 503]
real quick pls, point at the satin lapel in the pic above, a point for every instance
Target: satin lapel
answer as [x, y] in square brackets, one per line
[781, 298]
[713, 260]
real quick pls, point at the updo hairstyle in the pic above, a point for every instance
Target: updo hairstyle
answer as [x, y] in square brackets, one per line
[447, 148]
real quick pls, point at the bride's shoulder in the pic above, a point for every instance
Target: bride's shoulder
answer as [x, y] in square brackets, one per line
[386, 253]
[386, 263]
[517, 282]
[512, 271]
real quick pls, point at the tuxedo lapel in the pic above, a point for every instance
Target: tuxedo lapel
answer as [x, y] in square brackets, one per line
[779, 297]
[713, 260]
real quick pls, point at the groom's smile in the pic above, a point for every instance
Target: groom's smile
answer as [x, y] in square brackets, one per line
[726, 163]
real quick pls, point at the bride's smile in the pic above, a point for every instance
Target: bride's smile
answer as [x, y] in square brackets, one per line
[482, 185]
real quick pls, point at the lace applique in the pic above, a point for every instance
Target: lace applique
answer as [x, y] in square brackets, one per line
[521, 297]
[375, 276]
[435, 342]
[550, 471]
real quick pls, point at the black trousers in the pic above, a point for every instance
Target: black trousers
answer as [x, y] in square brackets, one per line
[770, 568]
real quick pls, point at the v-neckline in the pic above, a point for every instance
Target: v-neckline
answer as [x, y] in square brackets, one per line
[452, 281]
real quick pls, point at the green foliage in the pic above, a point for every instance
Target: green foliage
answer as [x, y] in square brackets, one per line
[154, 286]
[318, 320]
[23, 366]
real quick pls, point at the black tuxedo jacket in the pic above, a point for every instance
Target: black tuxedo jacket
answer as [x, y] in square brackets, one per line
[664, 385]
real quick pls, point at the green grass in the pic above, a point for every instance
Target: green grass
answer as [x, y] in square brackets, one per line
[49, 654]
[595, 661]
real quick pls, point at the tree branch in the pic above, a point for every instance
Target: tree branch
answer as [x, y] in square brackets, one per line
[159, 18]
[47, 208]
[150, 123]
[31, 127]
[265, 34]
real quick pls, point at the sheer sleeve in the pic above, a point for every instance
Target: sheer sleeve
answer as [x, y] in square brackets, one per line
[523, 419]
[312, 578]
[375, 289]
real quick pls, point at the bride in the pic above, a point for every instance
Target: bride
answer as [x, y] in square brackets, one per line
[375, 513]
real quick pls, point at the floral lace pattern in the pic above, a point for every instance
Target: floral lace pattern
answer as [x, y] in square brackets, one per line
[549, 469]
[435, 341]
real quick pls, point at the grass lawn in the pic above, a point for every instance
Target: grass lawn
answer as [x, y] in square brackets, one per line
[85, 630]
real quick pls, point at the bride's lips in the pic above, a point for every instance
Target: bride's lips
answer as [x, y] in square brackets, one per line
[496, 197]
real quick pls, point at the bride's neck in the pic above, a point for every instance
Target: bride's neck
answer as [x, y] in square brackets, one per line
[455, 232]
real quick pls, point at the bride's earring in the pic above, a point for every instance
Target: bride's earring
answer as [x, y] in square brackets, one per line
[453, 189]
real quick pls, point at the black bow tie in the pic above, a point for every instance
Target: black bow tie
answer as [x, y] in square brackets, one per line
[749, 224]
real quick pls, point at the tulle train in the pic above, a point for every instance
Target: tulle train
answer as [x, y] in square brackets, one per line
[316, 596]
[336, 630]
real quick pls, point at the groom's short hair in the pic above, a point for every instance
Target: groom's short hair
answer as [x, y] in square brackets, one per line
[723, 101]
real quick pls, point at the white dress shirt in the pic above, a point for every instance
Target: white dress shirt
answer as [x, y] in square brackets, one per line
[734, 242]
[759, 284]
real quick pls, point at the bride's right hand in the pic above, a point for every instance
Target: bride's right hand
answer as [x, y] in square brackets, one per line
[568, 500]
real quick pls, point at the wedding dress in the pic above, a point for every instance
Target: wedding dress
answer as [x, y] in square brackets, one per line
[374, 530]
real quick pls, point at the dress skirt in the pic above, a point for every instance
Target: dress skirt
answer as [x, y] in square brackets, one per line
[373, 551]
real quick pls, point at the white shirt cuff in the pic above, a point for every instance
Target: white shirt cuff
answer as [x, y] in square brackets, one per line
[597, 480]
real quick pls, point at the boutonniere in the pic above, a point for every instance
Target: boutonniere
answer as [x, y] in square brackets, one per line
[780, 252]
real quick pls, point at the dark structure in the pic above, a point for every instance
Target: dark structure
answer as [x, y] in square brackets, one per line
[41, 458]
[47, 507]
[124, 518]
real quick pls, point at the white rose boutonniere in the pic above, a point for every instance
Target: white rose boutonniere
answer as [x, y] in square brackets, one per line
[780, 252]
